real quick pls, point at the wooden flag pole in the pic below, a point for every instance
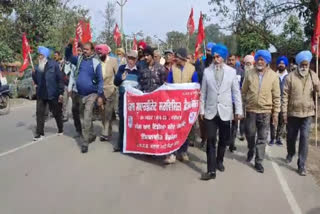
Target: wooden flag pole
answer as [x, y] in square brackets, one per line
[31, 61]
[317, 71]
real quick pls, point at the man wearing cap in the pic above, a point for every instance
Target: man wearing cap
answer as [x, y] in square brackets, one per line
[169, 57]
[261, 96]
[153, 76]
[50, 88]
[127, 75]
[298, 107]
[220, 83]
[109, 69]
[141, 64]
[276, 131]
[89, 82]
[181, 72]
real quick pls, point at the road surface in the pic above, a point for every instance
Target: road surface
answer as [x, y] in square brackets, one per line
[52, 176]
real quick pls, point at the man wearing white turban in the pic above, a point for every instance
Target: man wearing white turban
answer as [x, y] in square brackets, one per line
[299, 107]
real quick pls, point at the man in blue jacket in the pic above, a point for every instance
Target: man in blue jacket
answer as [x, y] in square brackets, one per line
[50, 87]
[89, 83]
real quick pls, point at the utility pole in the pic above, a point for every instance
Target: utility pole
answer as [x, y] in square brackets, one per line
[122, 3]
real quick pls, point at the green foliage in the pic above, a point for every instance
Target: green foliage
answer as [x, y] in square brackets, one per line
[176, 40]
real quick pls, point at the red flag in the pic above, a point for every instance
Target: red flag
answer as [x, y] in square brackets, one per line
[190, 24]
[316, 33]
[201, 36]
[25, 52]
[86, 37]
[135, 45]
[117, 35]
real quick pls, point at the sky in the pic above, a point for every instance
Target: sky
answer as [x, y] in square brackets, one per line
[153, 17]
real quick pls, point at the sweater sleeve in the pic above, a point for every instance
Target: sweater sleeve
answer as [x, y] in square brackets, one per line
[118, 78]
[286, 94]
[100, 80]
[276, 104]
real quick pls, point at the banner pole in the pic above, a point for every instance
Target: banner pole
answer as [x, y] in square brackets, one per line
[31, 61]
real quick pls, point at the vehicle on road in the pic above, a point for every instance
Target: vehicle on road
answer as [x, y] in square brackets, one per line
[4, 96]
[25, 85]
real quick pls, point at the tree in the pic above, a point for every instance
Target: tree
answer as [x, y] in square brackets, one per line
[106, 35]
[176, 40]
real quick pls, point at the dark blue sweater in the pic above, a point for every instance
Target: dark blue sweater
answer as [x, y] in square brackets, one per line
[88, 81]
[49, 83]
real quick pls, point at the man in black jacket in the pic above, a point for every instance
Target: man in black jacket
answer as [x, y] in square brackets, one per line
[50, 87]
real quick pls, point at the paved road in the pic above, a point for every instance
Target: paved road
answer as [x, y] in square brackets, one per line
[52, 176]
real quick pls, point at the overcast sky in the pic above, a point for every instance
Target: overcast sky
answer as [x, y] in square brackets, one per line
[153, 17]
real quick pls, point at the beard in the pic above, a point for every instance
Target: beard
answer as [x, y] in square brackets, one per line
[217, 67]
[303, 71]
[281, 69]
[42, 64]
[259, 68]
[250, 67]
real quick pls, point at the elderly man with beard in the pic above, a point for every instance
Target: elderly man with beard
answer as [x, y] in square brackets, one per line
[261, 96]
[50, 88]
[154, 75]
[109, 69]
[89, 82]
[248, 64]
[298, 107]
[220, 88]
[276, 131]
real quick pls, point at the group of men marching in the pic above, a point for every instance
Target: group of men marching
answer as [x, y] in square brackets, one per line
[251, 94]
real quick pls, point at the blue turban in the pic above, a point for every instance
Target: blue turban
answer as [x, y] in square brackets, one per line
[284, 59]
[44, 51]
[210, 45]
[221, 50]
[266, 55]
[303, 56]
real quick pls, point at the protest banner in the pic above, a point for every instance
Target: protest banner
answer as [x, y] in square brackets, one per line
[158, 123]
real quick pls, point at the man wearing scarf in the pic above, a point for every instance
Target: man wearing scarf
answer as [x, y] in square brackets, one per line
[298, 107]
[220, 88]
[276, 131]
[50, 88]
[261, 97]
[89, 82]
[109, 69]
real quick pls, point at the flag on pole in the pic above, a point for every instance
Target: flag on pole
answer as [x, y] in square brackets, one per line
[83, 35]
[135, 44]
[117, 35]
[86, 36]
[190, 24]
[316, 33]
[25, 53]
[201, 36]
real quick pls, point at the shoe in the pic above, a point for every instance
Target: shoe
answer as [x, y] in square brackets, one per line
[249, 156]
[232, 149]
[84, 149]
[183, 157]
[279, 143]
[116, 149]
[289, 159]
[259, 168]
[241, 138]
[271, 143]
[104, 138]
[208, 176]
[59, 133]
[220, 167]
[38, 137]
[302, 172]
[170, 159]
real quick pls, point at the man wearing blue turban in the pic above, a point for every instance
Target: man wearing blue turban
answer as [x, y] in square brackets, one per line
[50, 87]
[219, 84]
[298, 107]
[277, 131]
[261, 96]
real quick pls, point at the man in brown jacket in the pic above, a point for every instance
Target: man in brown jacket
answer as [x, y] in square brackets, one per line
[299, 107]
[109, 69]
[261, 97]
